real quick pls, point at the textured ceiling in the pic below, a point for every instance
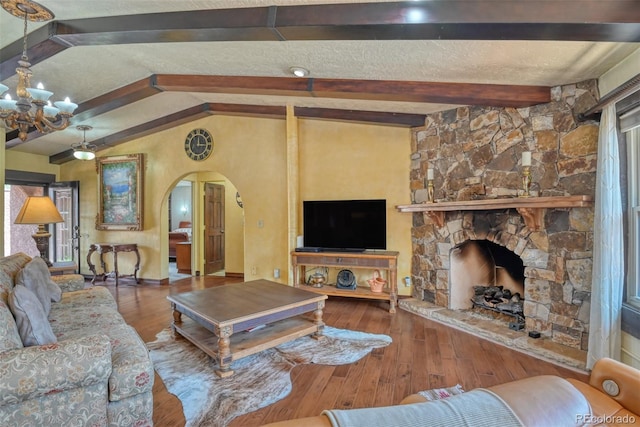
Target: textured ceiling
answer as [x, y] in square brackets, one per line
[86, 72]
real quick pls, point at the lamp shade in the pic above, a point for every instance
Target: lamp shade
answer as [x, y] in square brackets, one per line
[38, 210]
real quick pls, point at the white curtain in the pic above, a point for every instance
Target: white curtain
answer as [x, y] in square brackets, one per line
[608, 251]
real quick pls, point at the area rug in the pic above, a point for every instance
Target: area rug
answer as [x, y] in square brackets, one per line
[259, 380]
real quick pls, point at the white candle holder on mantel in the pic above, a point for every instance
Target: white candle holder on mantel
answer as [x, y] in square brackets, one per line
[430, 190]
[526, 174]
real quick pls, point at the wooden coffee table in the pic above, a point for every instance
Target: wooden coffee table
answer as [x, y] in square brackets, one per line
[234, 321]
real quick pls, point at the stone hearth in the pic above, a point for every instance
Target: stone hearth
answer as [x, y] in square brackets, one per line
[494, 331]
[475, 153]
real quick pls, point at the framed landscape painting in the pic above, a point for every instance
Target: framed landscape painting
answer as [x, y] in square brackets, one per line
[120, 188]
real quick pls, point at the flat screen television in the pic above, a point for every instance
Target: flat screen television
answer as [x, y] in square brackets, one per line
[345, 225]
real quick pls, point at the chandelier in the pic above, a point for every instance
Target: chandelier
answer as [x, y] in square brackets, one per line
[83, 150]
[32, 108]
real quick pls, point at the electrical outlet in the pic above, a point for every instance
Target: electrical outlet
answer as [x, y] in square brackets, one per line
[407, 281]
[254, 271]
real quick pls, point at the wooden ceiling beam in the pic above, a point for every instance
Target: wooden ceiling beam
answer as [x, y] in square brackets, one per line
[374, 90]
[376, 117]
[595, 20]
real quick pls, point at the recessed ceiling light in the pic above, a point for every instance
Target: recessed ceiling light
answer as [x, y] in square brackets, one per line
[299, 71]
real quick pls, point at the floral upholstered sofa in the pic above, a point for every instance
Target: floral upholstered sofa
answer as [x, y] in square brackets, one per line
[80, 365]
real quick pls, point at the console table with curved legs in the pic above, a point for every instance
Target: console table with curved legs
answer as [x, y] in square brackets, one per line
[115, 248]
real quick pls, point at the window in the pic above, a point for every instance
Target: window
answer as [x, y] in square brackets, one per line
[633, 212]
[64, 236]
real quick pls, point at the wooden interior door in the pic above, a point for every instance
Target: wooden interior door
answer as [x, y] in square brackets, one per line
[213, 228]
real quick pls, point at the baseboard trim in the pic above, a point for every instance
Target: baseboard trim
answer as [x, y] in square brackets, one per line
[234, 275]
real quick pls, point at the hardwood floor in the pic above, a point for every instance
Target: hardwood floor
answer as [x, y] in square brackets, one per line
[423, 355]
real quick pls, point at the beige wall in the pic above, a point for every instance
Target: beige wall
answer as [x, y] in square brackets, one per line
[17, 160]
[352, 161]
[248, 152]
[337, 160]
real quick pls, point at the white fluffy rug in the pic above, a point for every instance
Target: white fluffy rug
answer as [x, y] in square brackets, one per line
[259, 380]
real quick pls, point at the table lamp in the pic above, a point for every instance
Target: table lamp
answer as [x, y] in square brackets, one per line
[40, 210]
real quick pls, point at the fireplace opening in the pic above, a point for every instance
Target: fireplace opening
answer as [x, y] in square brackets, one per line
[486, 276]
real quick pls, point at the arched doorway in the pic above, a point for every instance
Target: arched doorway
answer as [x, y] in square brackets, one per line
[199, 249]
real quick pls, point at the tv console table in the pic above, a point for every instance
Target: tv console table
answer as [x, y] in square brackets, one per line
[373, 260]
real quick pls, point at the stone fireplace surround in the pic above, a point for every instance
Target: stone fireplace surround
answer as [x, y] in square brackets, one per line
[475, 153]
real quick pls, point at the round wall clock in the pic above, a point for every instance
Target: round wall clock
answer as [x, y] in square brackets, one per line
[199, 144]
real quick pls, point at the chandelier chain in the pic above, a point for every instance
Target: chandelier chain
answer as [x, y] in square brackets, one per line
[24, 39]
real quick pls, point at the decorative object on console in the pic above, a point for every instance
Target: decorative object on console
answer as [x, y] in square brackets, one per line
[377, 283]
[120, 198]
[83, 150]
[40, 210]
[33, 108]
[346, 280]
[317, 279]
[526, 173]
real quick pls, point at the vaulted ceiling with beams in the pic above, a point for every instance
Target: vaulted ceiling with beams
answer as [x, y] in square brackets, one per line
[139, 66]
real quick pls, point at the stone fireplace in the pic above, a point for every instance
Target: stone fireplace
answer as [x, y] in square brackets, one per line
[475, 154]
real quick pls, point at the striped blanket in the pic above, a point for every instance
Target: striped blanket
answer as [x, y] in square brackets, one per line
[477, 408]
